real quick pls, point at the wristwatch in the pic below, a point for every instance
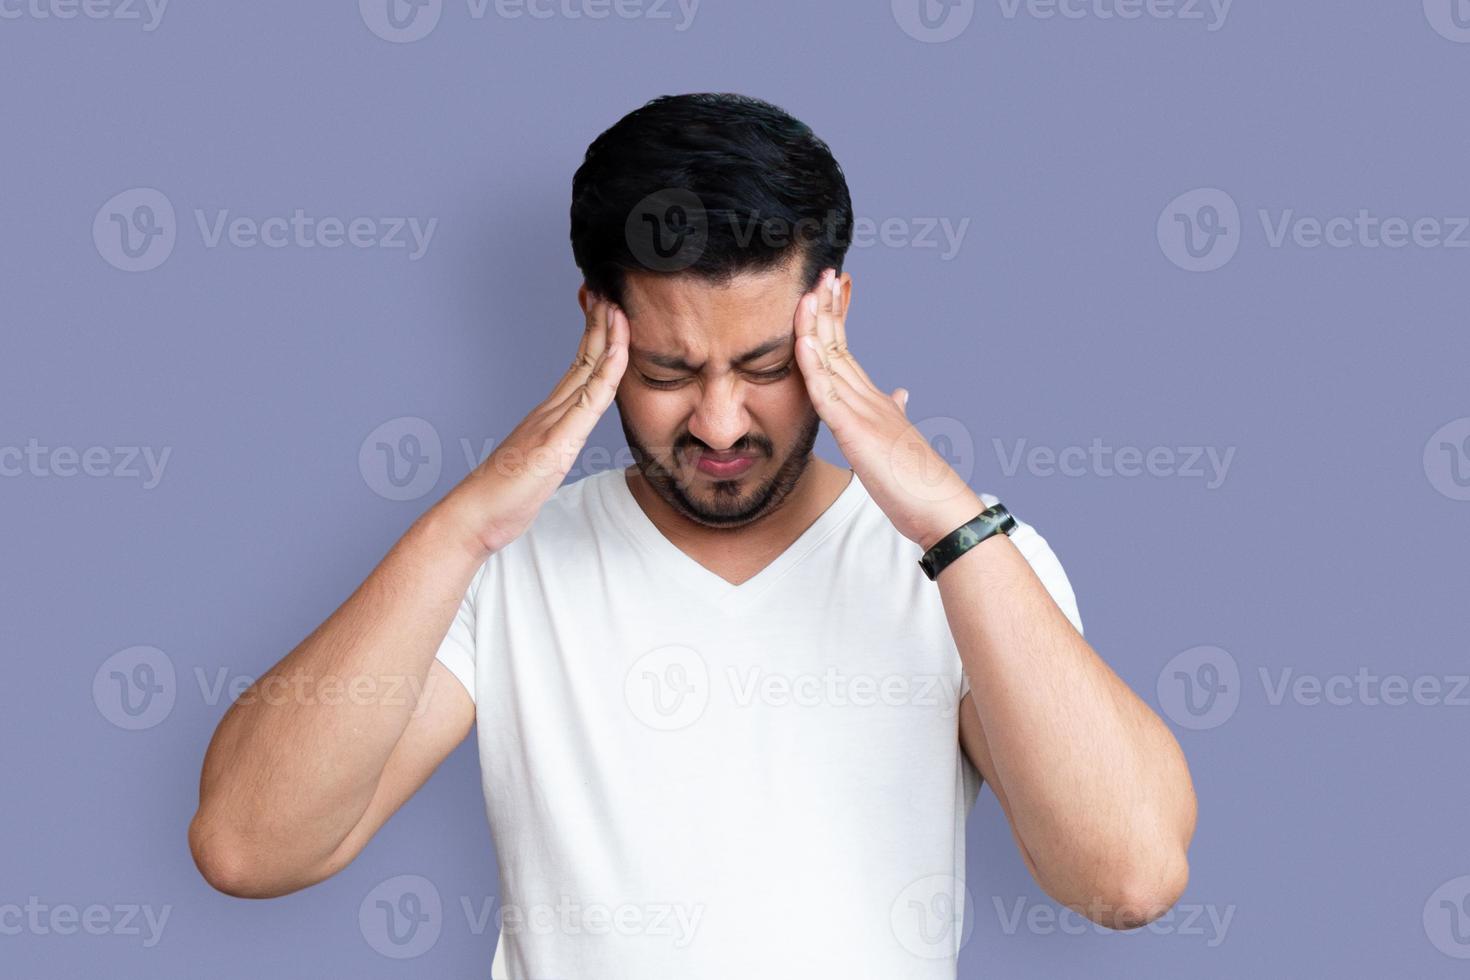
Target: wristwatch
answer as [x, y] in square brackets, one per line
[989, 522]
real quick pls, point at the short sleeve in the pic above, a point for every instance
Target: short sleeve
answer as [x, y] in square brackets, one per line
[1048, 568]
[457, 649]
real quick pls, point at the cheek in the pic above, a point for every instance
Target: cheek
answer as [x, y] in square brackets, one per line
[654, 414]
[790, 394]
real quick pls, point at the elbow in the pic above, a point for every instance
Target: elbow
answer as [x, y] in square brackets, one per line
[1146, 887]
[1140, 898]
[227, 866]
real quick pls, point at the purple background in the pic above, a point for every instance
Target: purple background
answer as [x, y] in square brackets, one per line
[1333, 544]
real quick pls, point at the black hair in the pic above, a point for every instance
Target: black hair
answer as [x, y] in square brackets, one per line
[711, 185]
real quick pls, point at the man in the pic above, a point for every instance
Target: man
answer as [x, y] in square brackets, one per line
[728, 726]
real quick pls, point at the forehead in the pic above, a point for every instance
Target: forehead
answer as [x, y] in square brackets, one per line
[691, 318]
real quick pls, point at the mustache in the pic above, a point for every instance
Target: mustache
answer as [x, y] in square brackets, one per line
[756, 446]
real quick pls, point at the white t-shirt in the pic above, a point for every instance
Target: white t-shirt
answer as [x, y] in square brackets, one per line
[690, 779]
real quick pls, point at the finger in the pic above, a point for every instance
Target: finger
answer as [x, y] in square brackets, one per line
[837, 319]
[589, 400]
[594, 332]
[811, 317]
[589, 350]
[804, 321]
[833, 396]
[826, 329]
[606, 370]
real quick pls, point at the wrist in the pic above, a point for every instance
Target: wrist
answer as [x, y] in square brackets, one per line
[952, 515]
[453, 527]
[973, 534]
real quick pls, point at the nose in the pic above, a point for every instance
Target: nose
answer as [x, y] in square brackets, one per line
[720, 419]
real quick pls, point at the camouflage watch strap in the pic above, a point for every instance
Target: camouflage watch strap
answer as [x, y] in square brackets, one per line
[991, 521]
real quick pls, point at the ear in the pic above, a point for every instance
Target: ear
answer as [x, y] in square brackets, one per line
[844, 294]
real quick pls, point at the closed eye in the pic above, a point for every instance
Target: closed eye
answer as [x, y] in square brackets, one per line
[775, 375]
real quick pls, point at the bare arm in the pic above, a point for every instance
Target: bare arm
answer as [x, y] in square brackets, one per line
[321, 750]
[1093, 784]
[325, 746]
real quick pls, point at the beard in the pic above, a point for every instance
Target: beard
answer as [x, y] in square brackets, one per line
[727, 505]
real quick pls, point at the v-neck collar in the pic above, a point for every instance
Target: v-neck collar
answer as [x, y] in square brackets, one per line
[618, 497]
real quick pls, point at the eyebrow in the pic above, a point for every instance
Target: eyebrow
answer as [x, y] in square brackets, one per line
[676, 363]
